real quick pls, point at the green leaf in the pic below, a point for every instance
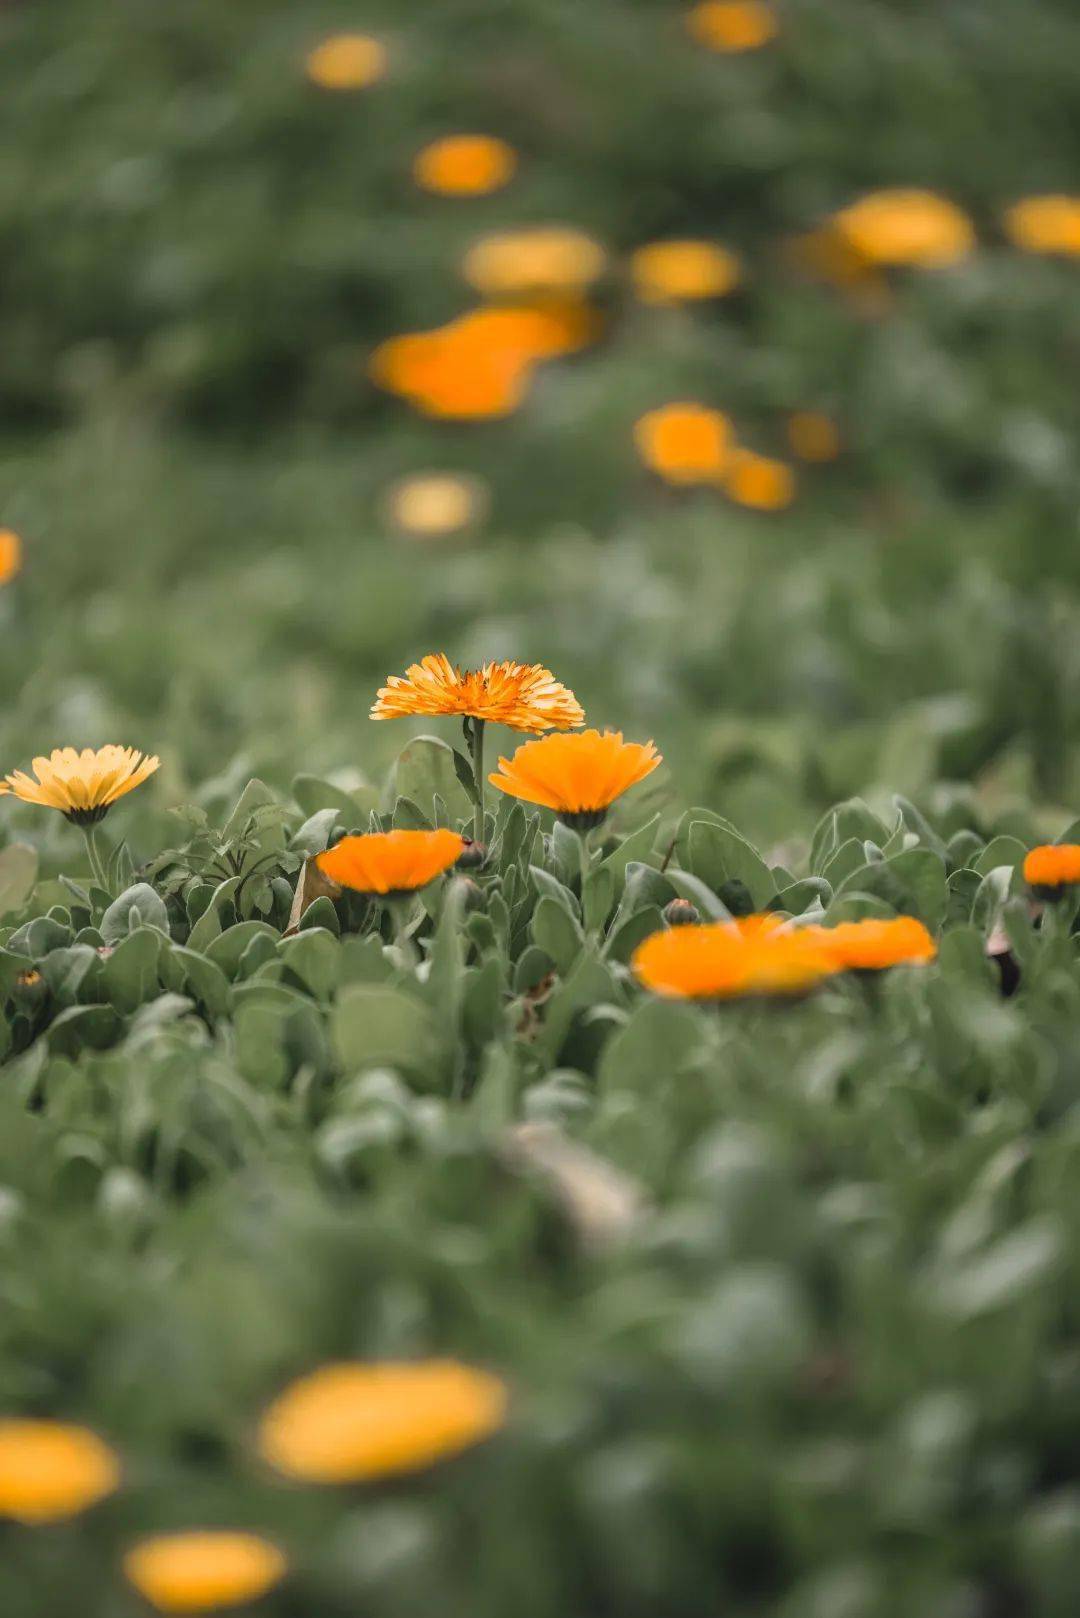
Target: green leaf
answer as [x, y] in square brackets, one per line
[658, 1041]
[138, 906]
[130, 974]
[424, 767]
[96, 1027]
[633, 849]
[315, 795]
[208, 926]
[557, 933]
[228, 948]
[718, 854]
[314, 957]
[18, 874]
[1008, 851]
[550, 887]
[377, 1025]
[206, 982]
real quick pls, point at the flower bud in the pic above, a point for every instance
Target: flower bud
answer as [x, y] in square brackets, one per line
[681, 913]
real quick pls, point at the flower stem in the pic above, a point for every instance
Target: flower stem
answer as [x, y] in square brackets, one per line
[97, 870]
[476, 749]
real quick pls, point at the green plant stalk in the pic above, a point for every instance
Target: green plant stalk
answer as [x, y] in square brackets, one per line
[586, 864]
[97, 869]
[476, 752]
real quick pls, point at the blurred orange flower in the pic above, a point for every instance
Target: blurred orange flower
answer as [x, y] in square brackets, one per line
[733, 25]
[674, 271]
[905, 227]
[434, 505]
[579, 776]
[538, 258]
[1049, 224]
[756, 955]
[390, 862]
[813, 436]
[758, 481]
[685, 442]
[50, 1470]
[203, 1569]
[1053, 865]
[346, 62]
[350, 1422]
[871, 945]
[524, 696]
[10, 555]
[464, 165]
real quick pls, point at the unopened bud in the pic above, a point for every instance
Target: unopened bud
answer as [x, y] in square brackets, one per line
[472, 856]
[681, 913]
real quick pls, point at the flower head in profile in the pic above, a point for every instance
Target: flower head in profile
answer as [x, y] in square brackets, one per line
[732, 26]
[680, 271]
[50, 1470]
[10, 555]
[905, 227]
[1052, 867]
[758, 482]
[388, 863]
[524, 696]
[684, 443]
[579, 776]
[83, 786]
[352, 1421]
[346, 62]
[464, 165]
[1048, 224]
[756, 955]
[203, 1569]
[872, 946]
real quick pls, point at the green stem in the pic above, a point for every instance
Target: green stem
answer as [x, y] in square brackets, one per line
[586, 863]
[476, 750]
[97, 870]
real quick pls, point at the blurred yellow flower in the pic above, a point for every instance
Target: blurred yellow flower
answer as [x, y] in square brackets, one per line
[464, 165]
[906, 227]
[349, 1422]
[346, 62]
[83, 786]
[434, 505]
[10, 555]
[1049, 224]
[673, 271]
[813, 436]
[759, 482]
[50, 1470]
[733, 25]
[203, 1569]
[684, 443]
[540, 258]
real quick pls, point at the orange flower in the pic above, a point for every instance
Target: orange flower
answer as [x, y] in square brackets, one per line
[756, 955]
[756, 481]
[434, 505]
[906, 227]
[49, 1470]
[390, 862]
[10, 555]
[464, 165]
[524, 696]
[203, 1569]
[1053, 866]
[813, 436]
[544, 258]
[670, 272]
[350, 1422]
[733, 25]
[578, 776]
[346, 62]
[870, 946]
[83, 786]
[685, 443]
[1049, 224]
[454, 374]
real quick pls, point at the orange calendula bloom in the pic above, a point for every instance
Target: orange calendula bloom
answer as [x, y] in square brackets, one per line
[203, 1569]
[871, 945]
[906, 227]
[684, 443]
[352, 1421]
[50, 1470]
[1053, 866]
[678, 271]
[464, 165]
[10, 555]
[83, 786]
[758, 481]
[540, 258]
[524, 696]
[390, 862]
[579, 776]
[733, 25]
[813, 436]
[756, 955]
[1049, 224]
[346, 62]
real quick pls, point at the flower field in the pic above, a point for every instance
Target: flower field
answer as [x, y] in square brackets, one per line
[540, 810]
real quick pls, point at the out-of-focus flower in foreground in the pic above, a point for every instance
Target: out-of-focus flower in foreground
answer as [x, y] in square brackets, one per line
[388, 863]
[538, 258]
[524, 696]
[759, 482]
[813, 436]
[203, 1569]
[50, 1470]
[464, 165]
[756, 955]
[350, 1422]
[579, 776]
[435, 505]
[346, 62]
[905, 227]
[872, 945]
[732, 26]
[684, 443]
[680, 271]
[1048, 224]
[83, 786]
[10, 555]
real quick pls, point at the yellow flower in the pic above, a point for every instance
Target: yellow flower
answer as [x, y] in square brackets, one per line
[813, 436]
[346, 62]
[756, 955]
[733, 25]
[759, 482]
[1049, 224]
[49, 1470]
[684, 443]
[10, 555]
[671, 272]
[203, 1569]
[544, 258]
[390, 862]
[578, 776]
[906, 227]
[434, 505]
[464, 165]
[349, 1422]
[524, 696]
[83, 786]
